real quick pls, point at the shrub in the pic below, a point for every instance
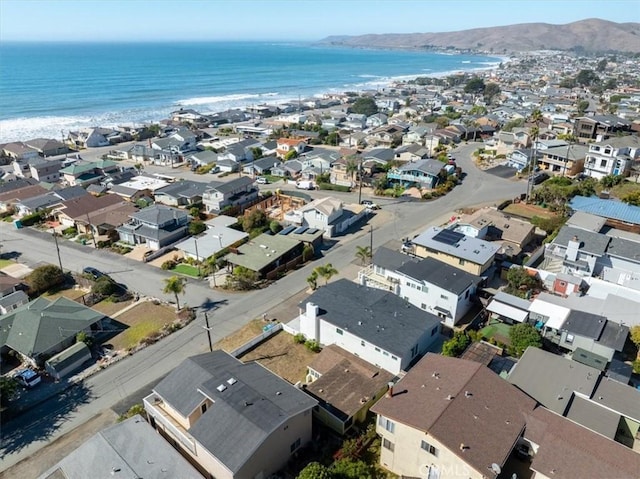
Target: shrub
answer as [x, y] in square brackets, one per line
[32, 219]
[83, 337]
[299, 338]
[312, 345]
[133, 410]
[71, 231]
[44, 278]
[456, 345]
[104, 286]
[307, 253]
[169, 264]
[522, 336]
[329, 186]
[636, 366]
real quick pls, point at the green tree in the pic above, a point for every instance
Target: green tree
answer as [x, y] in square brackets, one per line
[333, 138]
[327, 271]
[83, 337]
[456, 345]
[634, 335]
[520, 282]
[632, 198]
[254, 220]
[257, 153]
[582, 106]
[312, 279]
[196, 227]
[352, 166]
[174, 285]
[315, 470]
[364, 106]
[363, 253]
[291, 154]
[8, 388]
[104, 286]
[511, 124]
[586, 77]
[478, 110]
[568, 82]
[307, 253]
[602, 64]
[522, 336]
[491, 91]
[45, 277]
[242, 279]
[475, 85]
[442, 122]
[351, 469]
[275, 227]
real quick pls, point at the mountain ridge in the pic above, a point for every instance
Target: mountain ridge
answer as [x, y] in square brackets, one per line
[591, 35]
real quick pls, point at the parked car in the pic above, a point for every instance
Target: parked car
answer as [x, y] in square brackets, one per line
[261, 180]
[94, 273]
[370, 204]
[305, 185]
[540, 177]
[28, 377]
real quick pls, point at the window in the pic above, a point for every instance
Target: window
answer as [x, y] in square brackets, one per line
[384, 353]
[203, 408]
[429, 448]
[408, 283]
[394, 358]
[425, 289]
[423, 306]
[569, 338]
[603, 163]
[295, 445]
[384, 423]
[414, 351]
[339, 331]
[362, 343]
[466, 294]
[377, 350]
[434, 331]
[387, 444]
[444, 296]
[461, 262]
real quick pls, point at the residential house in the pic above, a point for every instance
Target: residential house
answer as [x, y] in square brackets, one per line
[288, 169]
[239, 193]
[508, 308]
[48, 200]
[215, 238]
[45, 170]
[603, 159]
[616, 213]
[592, 333]
[19, 151]
[262, 166]
[387, 136]
[345, 387]
[522, 157]
[286, 145]
[155, 226]
[599, 127]
[86, 173]
[375, 325]
[565, 161]
[428, 284]
[12, 294]
[266, 255]
[343, 171]
[233, 420]
[576, 251]
[137, 187]
[450, 417]
[411, 152]
[376, 120]
[181, 193]
[493, 225]
[203, 158]
[508, 141]
[91, 137]
[469, 254]
[181, 141]
[421, 173]
[376, 159]
[25, 190]
[42, 328]
[130, 448]
[327, 214]
[98, 216]
[47, 147]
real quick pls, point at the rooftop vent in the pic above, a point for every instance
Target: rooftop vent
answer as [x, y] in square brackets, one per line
[221, 388]
[278, 393]
[467, 394]
[232, 381]
[435, 375]
[449, 397]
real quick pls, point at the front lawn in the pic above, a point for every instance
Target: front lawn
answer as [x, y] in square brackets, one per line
[498, 331]
[109, 307]
[6, 262]
[140, 322]
[70, 293]
[528, 211]
[187, 270]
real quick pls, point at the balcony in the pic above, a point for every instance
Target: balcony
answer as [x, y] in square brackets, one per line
[367, 276]
[154, 405]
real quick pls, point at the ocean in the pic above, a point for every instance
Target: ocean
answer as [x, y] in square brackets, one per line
[47, 89]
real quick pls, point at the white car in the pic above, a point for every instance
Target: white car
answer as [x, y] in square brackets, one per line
[261, 180]
[28, 377]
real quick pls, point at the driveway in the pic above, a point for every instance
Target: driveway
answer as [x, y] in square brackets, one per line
[502, 171]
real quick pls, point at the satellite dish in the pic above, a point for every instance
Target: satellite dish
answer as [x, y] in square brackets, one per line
[496, 468]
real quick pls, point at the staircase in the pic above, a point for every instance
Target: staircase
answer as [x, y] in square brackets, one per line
[552, 265]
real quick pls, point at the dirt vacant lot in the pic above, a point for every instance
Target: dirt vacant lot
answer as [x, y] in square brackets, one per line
[142, 320]
[241, 336]
[528, 211]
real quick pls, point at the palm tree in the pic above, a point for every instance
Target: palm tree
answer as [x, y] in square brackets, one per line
[175, 285]
[313, 280]
[326, 271]
[363, 253]
[534, 132]
[351, 167]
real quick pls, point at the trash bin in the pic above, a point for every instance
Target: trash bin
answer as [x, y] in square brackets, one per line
[83, 241]
[17, 224]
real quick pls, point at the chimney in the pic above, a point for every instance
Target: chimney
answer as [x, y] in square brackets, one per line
[463, 447]
[390, 391]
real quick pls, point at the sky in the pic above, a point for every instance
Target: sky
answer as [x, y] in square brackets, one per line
[302, 20]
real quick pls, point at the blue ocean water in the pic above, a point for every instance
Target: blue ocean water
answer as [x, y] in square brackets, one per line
[52, 87]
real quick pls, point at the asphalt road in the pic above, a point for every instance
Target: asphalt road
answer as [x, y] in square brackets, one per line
[228, 312]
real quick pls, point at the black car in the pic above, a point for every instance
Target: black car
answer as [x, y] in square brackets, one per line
[94, 273]
[540, 177]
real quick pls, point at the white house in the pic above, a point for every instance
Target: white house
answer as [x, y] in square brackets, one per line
[605, 159]
[375, 325]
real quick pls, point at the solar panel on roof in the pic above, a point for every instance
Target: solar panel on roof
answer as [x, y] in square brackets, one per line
[287, 230]
[300, 230]
[448, 237]
[312, 231]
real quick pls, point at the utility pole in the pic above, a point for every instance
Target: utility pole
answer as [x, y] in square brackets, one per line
[95, 245]
[195, 240]
[360, 181]
[208, 328]
[55, 239]
[371, 243]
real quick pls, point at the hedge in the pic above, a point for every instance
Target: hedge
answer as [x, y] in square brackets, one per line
[32, 219]
[329, 186]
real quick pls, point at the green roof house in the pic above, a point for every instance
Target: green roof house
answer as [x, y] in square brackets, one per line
[43, 328]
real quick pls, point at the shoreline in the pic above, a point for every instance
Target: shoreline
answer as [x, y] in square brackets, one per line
[22, 129]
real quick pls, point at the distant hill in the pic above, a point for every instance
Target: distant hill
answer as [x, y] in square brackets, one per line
[591, 36]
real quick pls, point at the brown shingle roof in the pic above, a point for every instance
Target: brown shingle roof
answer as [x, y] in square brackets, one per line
[78, 208]
[460, 402]
[568, 450]
[22, 193]
[347, 382]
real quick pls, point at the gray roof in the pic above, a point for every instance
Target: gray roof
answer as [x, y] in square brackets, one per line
[245, 413]
[131, 448]
[590, 242]
[158, 214]
[183, 189]
[598, 328]
[468, 248]
[551, 380]
[233, 185]
[594, 417]
[586, 221]
[382, 154]
[429, 166]
[390, 259]
[512, 300]
[619, 397]
[440, 274]
[13, 298]
[624, 248]
[379, 317]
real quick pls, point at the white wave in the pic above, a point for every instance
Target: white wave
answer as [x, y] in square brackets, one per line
[210, 100]
[465, 61]
[364, 75]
